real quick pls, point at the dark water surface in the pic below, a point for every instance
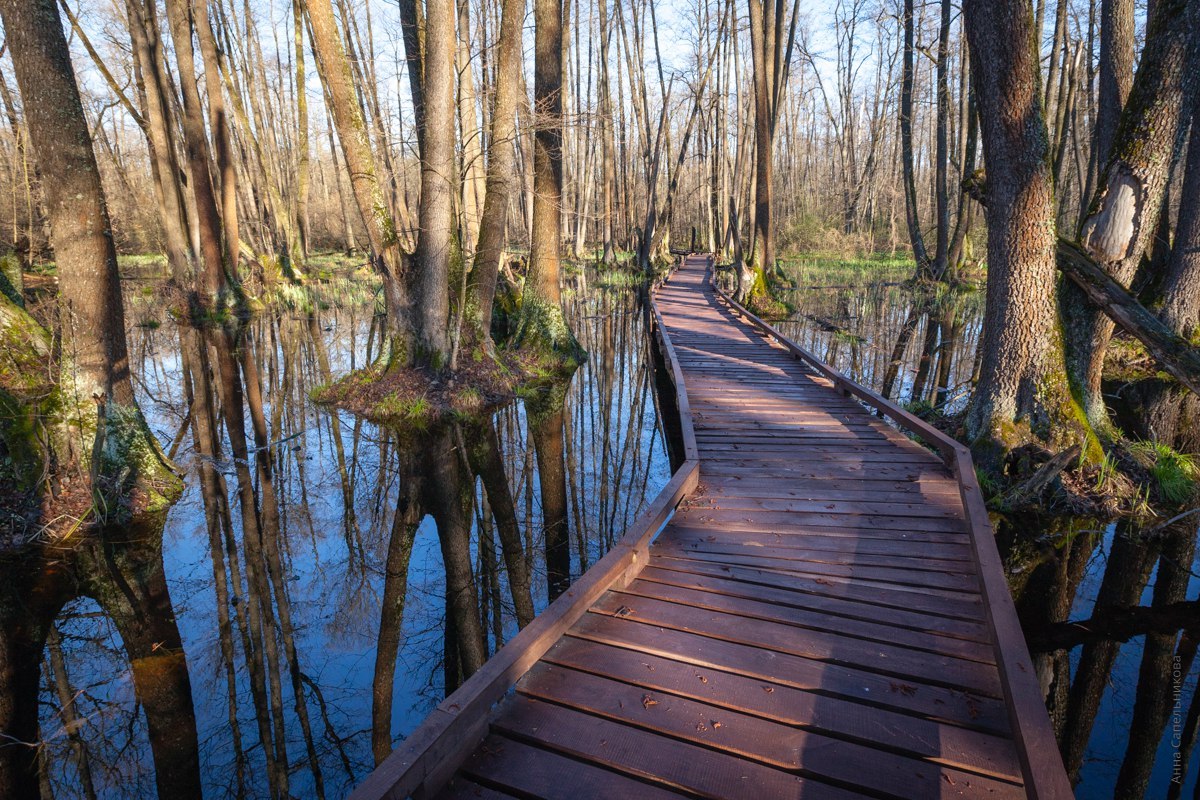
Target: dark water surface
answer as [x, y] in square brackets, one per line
[324, 582]
[1111, 612]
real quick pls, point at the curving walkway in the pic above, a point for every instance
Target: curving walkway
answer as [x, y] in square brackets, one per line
[811, 623]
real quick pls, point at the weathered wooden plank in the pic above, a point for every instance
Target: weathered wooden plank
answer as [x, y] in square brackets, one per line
[901, 663]
[767, 609]
[895, 618]
[984, 753]
[529, 770]
[932, 702]
[845, 513]
[762, 740]
[928, 552]
[670, 762]
[461, 788]
[930, 601]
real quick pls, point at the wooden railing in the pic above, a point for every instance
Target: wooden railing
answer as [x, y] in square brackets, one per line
[1041, 764]
[433, 752]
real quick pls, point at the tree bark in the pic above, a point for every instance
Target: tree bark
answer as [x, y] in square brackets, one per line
[1115, 73]
[386, 256]
[1181, 285]
[146, 44]
[212, 280]
[1124, 214]
[102, 427]
[219, 125]
[1103, 293]
[543, 326]
[1021, 390]
[493, 225]
[912, 214]
[436, 214]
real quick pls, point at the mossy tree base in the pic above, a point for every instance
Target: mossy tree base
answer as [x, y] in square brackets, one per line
[545, 338]
[68, 458]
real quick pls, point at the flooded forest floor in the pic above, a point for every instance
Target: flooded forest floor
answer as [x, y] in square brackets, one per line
[326, 579]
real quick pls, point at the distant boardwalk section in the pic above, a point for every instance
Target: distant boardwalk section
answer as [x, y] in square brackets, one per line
[824, 614]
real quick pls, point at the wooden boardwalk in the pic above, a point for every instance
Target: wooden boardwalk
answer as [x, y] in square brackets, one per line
[820, 618]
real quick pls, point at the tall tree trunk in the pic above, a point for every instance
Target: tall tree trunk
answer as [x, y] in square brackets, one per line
[912, 213]
[941, 255]
[104, 431]
[1181, 286]
[303, 182]
[543, 326]
[493, 225]
[436, 215]
[219, 125]
[608, 153]
[472, 196]
[146, 44]
[1116, 72]
[1021, 393]
[388, 259]
[213, 278]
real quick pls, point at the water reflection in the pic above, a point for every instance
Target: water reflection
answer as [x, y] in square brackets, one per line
[916, 347]
[324, 581]
[1112, 619]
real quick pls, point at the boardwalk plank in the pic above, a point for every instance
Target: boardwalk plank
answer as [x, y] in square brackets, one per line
[900, 662]
[939, 742]
[931, 702]
[757, 739]
[672, 763]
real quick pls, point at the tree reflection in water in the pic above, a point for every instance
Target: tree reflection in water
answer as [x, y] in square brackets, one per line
[324, 581]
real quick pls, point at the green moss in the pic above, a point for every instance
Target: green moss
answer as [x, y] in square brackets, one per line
[22, 447]
[545, 335]
[398, 408]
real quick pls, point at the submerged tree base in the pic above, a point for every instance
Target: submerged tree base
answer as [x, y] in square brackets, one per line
[396, 394]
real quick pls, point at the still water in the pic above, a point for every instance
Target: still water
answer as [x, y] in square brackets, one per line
[324, 581]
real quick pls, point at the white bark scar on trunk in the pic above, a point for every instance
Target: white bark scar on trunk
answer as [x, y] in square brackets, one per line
[1109, 233]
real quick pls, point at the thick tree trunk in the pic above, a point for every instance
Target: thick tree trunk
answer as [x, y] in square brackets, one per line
[543, 326]
[1116, 72]
[1021, 392]
[436, 217]
[1124, 214]
[104, 431]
